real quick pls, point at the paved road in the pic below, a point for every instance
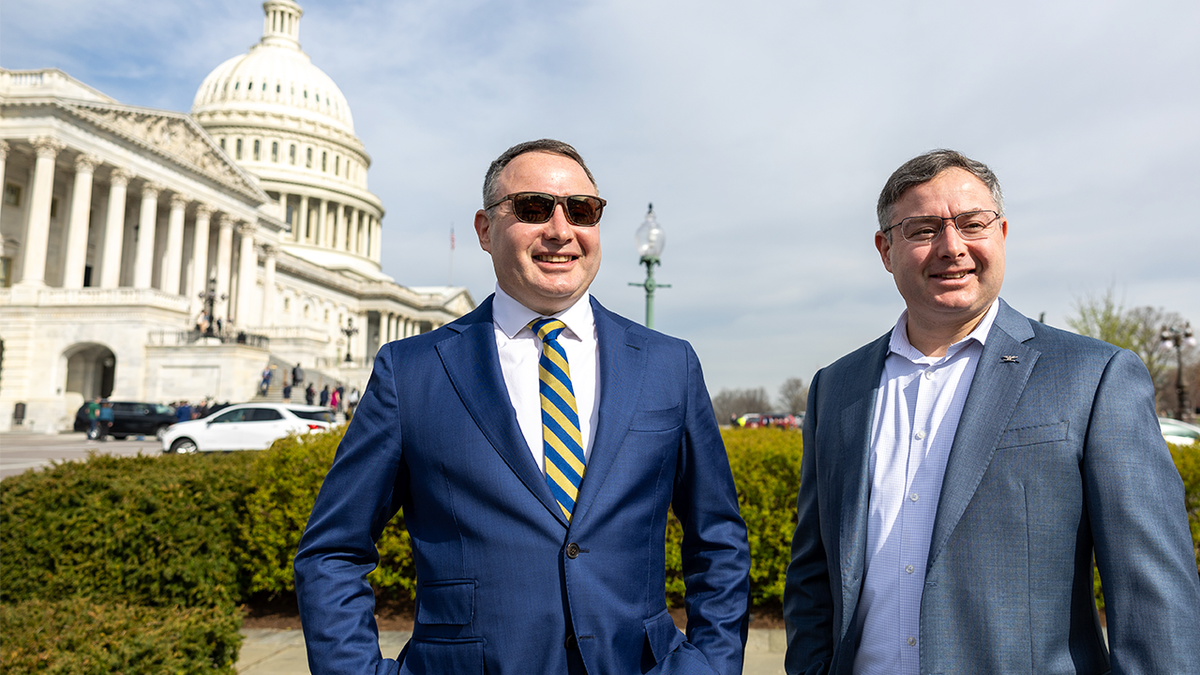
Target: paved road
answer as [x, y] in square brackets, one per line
[281, 652]
[20, 452]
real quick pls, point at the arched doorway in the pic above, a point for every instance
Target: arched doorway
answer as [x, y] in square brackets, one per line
[91, 370]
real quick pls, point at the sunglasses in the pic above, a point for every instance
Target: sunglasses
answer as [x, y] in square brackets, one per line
[538, 207]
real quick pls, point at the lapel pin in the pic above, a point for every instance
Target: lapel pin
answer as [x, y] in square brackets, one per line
[1008, 359]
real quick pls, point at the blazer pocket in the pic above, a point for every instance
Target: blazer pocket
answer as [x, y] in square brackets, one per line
[1033, 435]
[657, 420]
[449, 602]
[461, 657]
[662, 635]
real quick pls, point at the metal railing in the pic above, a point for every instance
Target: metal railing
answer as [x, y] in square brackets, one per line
[167, 338]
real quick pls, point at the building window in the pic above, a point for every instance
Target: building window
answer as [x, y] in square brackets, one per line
[337, 165]
[324, 157]
[54, 207]
[237, 153]
[278, 89]
[12, 194]
[257, 146]
[308, 159]
[327, 316]
[222, 142]
[274, 151]
[292, 154]
[287, 304]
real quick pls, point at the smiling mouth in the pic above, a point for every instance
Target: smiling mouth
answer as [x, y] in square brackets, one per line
[554, 258]
[954, 275]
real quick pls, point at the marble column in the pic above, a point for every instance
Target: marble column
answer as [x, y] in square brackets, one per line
[377, 248]
[173, 258]
[247, 273]
[320, 235]
[77, 226]
[143, 265]
[268, 299]
[224, 265]
[338, 227]
[200, 253]
[303, 234]
[3, 161]
[37, 232]
[114, 229]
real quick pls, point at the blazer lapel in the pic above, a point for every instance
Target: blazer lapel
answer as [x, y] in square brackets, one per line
[1004, 367]
[473, 364]
[622, 360]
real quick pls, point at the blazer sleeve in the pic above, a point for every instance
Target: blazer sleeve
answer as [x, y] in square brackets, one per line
[360, 495]
[715, 549]
[808, 606]
[1135, 500]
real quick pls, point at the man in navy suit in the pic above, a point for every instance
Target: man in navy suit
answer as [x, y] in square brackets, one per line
[961, 472]
[515, 572]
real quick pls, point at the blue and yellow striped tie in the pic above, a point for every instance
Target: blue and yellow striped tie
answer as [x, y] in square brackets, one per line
[561, 440]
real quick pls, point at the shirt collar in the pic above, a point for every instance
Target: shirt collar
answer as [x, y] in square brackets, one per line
[900, 345]
[512, 317]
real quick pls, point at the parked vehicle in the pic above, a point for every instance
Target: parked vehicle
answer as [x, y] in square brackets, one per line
[246, 426]
[1178, 433]
[131, 418]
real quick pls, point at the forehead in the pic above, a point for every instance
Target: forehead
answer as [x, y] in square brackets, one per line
[545, 172]
[954, 190]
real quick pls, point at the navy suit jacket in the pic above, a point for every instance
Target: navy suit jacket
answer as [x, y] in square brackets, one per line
[504, 583]
[1057, 454]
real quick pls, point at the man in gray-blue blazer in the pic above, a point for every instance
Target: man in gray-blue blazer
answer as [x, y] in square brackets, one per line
[536, 447]
[961, 472]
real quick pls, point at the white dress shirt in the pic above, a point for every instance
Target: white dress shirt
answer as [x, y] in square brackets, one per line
[916, 416]
[520, 350]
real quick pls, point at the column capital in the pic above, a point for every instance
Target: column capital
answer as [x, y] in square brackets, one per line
[225, 222]
[3, 150]
[120, 177]
[246, 229]
[150, 188]
[179, 201]
[204, 210]
[47, 146]
[269, 251]
[86, 163]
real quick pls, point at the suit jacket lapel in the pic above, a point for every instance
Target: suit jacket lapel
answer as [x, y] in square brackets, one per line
[1004, 367]
[622, 360]
[473, 364]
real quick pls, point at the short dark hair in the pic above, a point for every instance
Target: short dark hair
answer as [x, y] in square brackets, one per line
[926, 167]
[548, 145]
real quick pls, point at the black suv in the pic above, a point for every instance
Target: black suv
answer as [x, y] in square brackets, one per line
[132, 419]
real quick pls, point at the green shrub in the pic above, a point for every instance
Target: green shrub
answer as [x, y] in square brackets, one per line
[157, 531]
[285, 480]
[80, 637]
[1187, 460]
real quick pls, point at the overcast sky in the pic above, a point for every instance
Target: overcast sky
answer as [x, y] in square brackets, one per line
[761, 131]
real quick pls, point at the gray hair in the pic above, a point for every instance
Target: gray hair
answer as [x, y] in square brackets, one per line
[926, 167]
[547, 145]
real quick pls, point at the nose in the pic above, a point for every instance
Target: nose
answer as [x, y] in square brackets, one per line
[949, 242]
[558, 228]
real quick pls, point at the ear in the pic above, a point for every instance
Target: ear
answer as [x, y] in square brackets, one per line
[884, 246]
[483, 228]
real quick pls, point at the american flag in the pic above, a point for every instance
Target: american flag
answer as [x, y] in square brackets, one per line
[452, 239]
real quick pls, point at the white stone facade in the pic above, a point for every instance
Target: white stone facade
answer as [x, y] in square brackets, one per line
[116, 219]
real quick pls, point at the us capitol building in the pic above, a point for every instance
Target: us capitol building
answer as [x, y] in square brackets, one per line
[152, 255]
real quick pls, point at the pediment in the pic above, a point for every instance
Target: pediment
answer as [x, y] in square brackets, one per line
[173, 135]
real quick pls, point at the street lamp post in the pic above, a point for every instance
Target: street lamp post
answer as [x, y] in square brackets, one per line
[1177, 336]
[650, 242]
[349, 331]
[210, 297]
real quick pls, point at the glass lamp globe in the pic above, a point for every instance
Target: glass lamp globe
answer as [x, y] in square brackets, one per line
[650, 237]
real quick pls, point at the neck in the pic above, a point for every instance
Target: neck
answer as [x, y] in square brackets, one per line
[932, 339]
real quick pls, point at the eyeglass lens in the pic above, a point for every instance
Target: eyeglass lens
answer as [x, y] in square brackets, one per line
[538, 207]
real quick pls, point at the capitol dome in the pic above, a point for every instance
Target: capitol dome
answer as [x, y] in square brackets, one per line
[275, 75]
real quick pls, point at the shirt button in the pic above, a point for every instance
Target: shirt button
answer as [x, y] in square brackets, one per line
[928, 374]
[912, 642]
[913, 497]
[910, 569]
[920, 435]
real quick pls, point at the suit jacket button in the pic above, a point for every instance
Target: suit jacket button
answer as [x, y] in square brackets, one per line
[572, 553]
[571, 644]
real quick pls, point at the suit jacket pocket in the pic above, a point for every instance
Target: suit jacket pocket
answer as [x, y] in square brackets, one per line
[433, 657]
[1033, 435]
[448, 602]
[657, 420]
[662, 635]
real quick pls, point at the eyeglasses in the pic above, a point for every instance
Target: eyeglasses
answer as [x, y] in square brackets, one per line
[924, 229]
[538, 207]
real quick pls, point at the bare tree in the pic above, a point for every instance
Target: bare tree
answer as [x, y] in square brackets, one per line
[729, 403]
[793, 395]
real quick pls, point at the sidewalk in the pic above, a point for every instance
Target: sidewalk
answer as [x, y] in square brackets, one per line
[268, 651]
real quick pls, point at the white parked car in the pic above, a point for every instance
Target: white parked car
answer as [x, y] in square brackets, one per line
[1178, 433]
[246, 426]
